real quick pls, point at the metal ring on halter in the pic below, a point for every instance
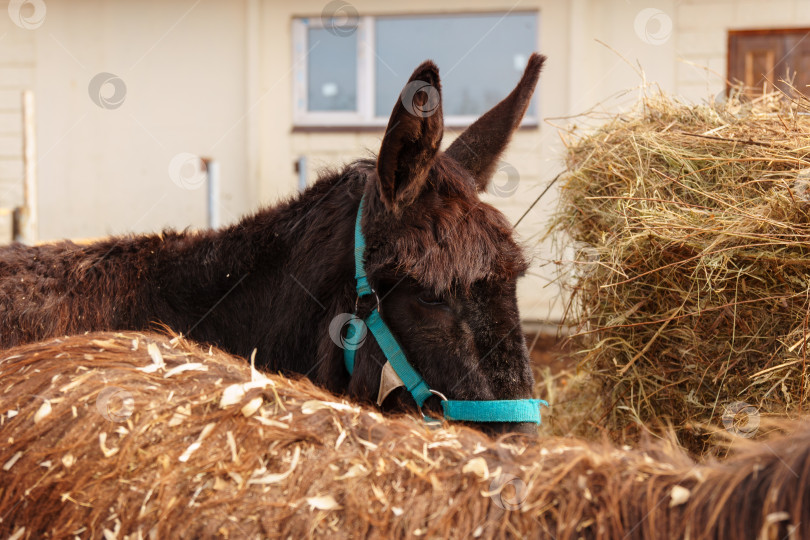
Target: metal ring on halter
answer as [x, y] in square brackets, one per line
[357, 301]
[435, 422]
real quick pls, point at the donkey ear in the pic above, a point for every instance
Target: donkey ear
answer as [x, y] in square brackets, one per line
[412, 138]
[481, 145]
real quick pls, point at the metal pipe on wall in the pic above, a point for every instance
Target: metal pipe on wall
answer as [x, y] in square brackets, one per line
[301, 169]
[27, 224]
[212, 173]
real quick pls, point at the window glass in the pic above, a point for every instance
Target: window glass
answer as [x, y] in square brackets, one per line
[331, 71]
[480, 57]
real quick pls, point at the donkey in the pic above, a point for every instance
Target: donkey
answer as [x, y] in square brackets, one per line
[443, 266]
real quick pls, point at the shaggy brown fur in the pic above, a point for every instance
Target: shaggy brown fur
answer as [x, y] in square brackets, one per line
[444, 263]
[98, 435]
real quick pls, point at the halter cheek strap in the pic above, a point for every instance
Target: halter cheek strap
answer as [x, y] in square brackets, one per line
[511, 410]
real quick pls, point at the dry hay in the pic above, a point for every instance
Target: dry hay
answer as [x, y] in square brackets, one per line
[691, 227]
[139, 436]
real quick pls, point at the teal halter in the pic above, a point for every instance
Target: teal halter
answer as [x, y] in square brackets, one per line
[505, 410]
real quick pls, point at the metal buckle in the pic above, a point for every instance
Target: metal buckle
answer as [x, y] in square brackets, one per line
[357, 302]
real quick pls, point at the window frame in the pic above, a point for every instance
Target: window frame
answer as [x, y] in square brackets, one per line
[364, 116]
[736, 47]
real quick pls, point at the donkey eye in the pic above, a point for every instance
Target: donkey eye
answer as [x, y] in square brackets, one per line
[430, 299]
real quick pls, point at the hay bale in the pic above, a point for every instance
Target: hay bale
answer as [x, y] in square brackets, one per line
[691, 225]
[139, 436]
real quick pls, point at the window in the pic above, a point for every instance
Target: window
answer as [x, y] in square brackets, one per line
[353, 77]
[763, 59]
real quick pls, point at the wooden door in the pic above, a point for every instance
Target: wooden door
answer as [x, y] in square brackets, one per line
[765, 59]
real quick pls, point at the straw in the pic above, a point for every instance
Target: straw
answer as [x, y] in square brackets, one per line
[690, 228]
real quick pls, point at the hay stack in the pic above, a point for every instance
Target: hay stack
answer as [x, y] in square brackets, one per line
[138, 436]
[691, 225]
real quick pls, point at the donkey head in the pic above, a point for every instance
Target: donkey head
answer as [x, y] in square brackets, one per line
[443, 263]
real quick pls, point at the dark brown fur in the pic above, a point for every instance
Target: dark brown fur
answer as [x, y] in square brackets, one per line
[388, 477]
[274, 281]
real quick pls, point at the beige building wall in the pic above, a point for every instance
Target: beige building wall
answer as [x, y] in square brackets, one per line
[105, 169]
[214, 78]
[701, 40]
[17, 71]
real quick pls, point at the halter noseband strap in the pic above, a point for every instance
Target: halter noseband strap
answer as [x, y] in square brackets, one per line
[511, 410]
